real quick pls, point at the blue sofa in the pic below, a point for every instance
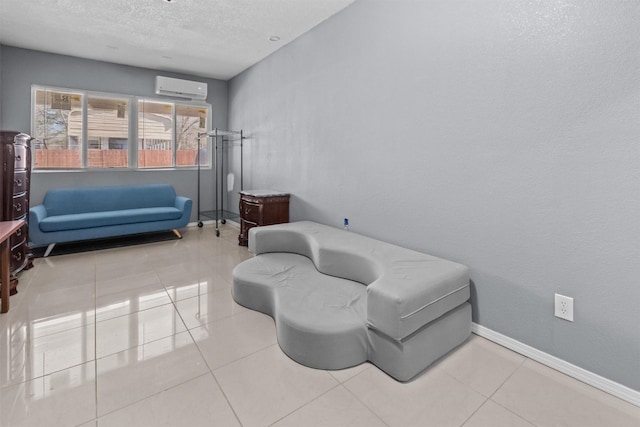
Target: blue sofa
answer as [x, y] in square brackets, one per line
[83, 213]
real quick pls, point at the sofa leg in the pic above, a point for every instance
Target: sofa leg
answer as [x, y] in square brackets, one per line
[49, 249]
[177, 233]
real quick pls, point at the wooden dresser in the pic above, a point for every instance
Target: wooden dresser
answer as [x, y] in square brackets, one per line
[261, 207]
[15, 157]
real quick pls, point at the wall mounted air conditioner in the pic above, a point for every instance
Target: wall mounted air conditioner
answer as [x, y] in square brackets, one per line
[181, 88]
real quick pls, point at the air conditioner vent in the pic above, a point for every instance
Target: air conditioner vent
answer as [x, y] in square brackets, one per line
[169, 86]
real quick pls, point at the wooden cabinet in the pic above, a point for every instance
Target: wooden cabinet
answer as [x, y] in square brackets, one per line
[261, 207]
[15, 158]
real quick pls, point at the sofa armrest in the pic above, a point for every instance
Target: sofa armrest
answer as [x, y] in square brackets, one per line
[37, 214]
[181, 202]
[184, 204]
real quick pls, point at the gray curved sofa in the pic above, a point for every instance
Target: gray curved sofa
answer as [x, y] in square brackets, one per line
[339, 299]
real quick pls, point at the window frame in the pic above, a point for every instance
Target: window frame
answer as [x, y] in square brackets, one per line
[132, 132]
[85, 128]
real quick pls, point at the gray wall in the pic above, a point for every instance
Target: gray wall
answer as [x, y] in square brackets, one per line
[502, 134]
[21, 68]
[1, 87]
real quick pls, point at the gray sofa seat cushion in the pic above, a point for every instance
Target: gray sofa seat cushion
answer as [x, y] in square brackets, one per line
[114, 217]
[320, 319]
[405, 289]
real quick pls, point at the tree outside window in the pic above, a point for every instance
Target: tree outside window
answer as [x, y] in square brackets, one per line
[190, 121]
[57, 118]
[155, 134]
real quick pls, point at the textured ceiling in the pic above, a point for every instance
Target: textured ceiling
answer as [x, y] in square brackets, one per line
[210, 38]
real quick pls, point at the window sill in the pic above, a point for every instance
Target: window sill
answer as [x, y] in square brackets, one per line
[107, 170]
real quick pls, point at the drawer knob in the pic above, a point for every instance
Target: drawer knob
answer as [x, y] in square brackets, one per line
[17, 182]
[18, 157]
[18, 256]
[18, 208]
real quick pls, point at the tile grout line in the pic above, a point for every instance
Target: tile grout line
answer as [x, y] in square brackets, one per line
[486, 398]
[445, 372]
[489, 398]
[240, 358]
[157, 392]
[474, 412]
[213, 375]
[226, 398]
[358, 397]
[339, 384]
[511, 412]
[524, 360]
[128, 405]
[175, 385]
[95, 335]
[111, 354]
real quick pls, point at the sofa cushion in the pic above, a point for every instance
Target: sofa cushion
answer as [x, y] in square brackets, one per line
[320, 319]
[78, 200]
[99, 219]
[405, 289]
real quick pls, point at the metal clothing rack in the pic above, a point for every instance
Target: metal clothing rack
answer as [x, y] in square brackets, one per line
[220, 138]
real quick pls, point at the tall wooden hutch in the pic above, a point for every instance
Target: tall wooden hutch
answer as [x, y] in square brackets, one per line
[15, 177]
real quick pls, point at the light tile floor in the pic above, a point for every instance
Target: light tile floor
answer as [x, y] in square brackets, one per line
[150, 336]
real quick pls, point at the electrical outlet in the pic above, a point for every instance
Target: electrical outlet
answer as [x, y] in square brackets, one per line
[564, 307]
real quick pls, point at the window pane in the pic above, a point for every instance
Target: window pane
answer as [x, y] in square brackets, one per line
[155, 134]
[57, 119]
[189, 121]
[108, 133]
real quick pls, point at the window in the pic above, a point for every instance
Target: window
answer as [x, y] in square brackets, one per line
[57, 122]
[155, 134]
[80, 129]
[189, 121]
[107, 123]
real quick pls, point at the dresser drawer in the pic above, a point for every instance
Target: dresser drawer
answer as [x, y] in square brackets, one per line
[20, 182]
[19, 236]
[20, 206]
[251, 211]
[245, 226]
[18, 257]
[21, 157]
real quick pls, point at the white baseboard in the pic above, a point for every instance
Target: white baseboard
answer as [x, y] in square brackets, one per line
[595, 380]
